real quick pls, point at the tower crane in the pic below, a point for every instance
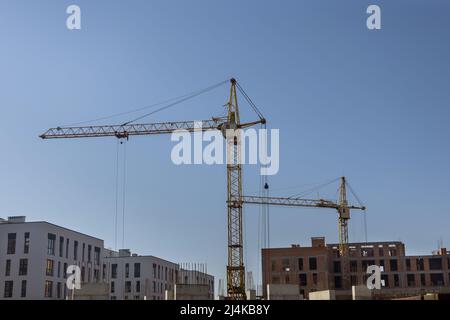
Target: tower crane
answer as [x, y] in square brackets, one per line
[342, 207]
[231, 122]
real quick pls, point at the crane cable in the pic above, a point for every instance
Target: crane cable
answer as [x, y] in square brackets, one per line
[362, 205]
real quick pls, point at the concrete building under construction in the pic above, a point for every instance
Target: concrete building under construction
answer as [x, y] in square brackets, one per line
[320, 267]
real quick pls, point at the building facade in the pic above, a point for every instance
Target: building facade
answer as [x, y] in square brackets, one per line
[320, 267]
[34, 257]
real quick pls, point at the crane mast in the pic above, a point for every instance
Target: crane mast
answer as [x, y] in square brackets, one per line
[227, 125]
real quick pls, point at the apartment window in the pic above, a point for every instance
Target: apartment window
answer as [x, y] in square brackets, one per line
[408, 264]
[113, 286]
[353, 280]
[367, 252]
[75, 250]
[385, 278]
[8, 268]
[65, 270]
[392, 252]
[137, 297]
[58, 290]
[435, 263]
[67, 248]
[396, 280]
[315, 278]
[49, 268]
[313, 263]
[48, 290]
[274, 265]
[51, 244]
[159, 272]
[420, 264]
[337, 266]
[154, 270]
[381, 263]
[337, 282]
[59, 269]
[61, 246]
[83, 271]
[127, 270]
[26, 243]
[154, 286]
[11, 249]
[104, 272]
[127, 286]
[287, 279]
[8, 289]
[137, 270]
[23, 267]
[381, 251]
[353, 266]
[394, 266]
[302, 279]
[437, 279]
[114, 271]
[89, 252]
[300, 264]
[96, 275]
[411, 280]
[82, 253]
[423, 281]
[285, 264]
[138, 286]
[165, 273]
[97, 256]
[23, 289]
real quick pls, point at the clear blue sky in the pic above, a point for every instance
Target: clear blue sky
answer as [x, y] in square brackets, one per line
[371, 105]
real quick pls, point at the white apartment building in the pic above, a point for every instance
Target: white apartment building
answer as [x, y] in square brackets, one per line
[34, 257]
[133, 277]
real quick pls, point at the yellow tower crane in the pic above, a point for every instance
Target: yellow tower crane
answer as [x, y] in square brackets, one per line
[341, 206]
[227, 125]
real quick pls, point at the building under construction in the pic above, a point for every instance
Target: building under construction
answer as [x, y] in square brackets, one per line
[320, 267]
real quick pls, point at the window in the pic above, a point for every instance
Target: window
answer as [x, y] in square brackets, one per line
[423, 281]
[274, 265]
[437, 279]
[49, 268]
[313, 263]
[83, 271]
[381, 251]
[89, 253]
[315, 278]
[8, 268]
[353, 266]
[51, 244]
[127, 270]
[137, 297]
[159, 272]
[337, 282]
[353, 280]
[367, 252]
[23, 267]
[137, 270]
[61, 246]
[113, 298]
[23, 289]
[59, 269]
[138, 286]
[408, 264]
[96, 275]
[58, 290]
[381, 263]
[154, 270]
[48, 290]
[82, 253]
[67, 248]
[65, 270]
[154, 286]
[287, 279]
[75, 250]
[114, 271]
[104, 272]
[392, 252]
[411, 280]
[394, 266]
[337, 266]
[97, 256]
[165, 273]
[300, 264]
[420, 264]
[8, 289]
[26, 243]
[396, 280]
[127, 286]
[113, 287]
[302, 279]
[11, 249]
[285, 264]
[385, 278]
[435, 263]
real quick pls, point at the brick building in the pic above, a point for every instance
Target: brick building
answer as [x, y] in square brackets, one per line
[319, 267]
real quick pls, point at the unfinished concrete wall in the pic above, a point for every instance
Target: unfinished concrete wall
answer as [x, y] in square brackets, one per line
[283, 292]
[191, 292]
[92, 291]
[323, 295]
